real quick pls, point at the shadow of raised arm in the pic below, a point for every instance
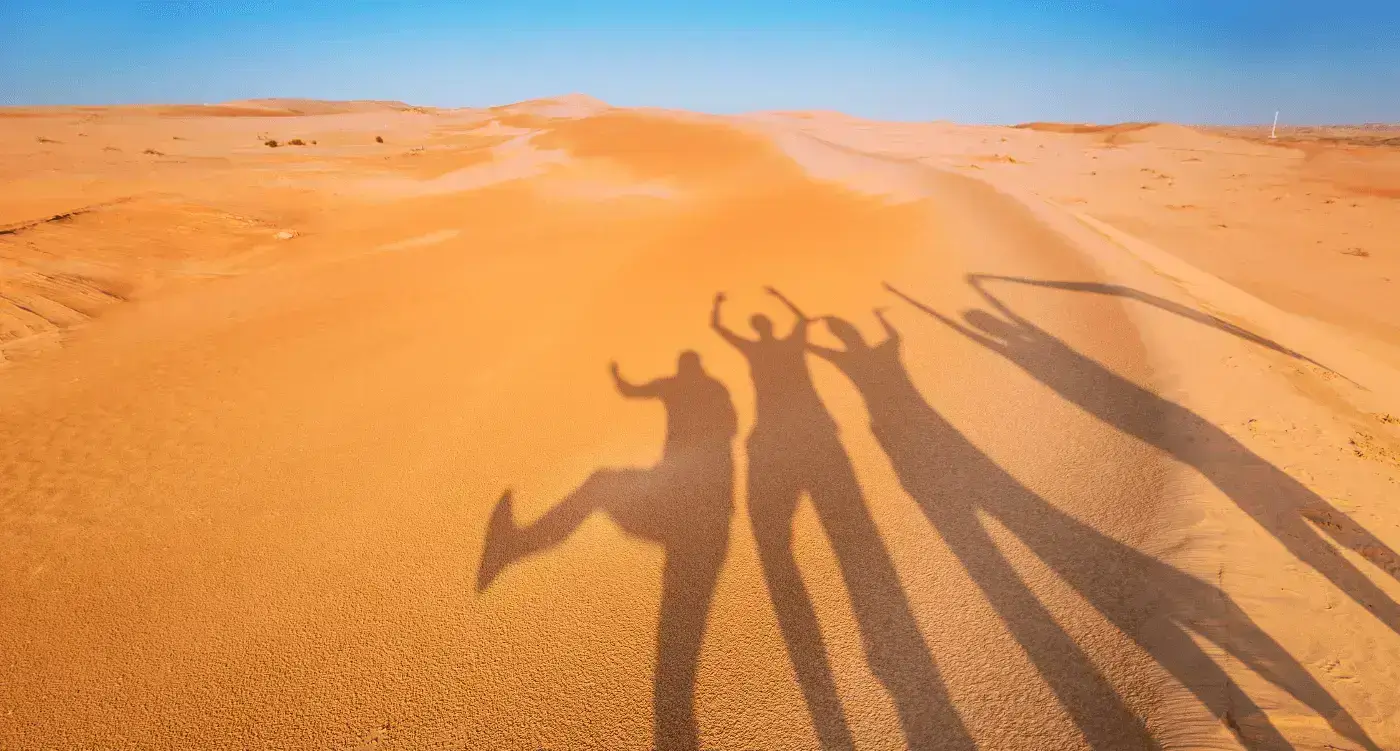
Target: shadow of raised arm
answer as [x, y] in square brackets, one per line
[719, 327]
[1128, 293]
[648, 390]
[985, 341]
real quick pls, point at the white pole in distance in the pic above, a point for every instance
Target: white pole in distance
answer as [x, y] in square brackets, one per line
[1274, 130]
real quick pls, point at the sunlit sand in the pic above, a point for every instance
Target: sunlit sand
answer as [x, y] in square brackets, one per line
[1047, 437]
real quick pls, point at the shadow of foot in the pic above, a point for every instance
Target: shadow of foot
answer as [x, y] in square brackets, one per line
[499, 552]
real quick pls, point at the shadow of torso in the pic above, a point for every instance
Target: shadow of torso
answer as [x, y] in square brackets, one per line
[687, 498]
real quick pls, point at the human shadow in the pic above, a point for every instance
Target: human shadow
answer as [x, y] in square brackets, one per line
[1156, 605]
[1284, 507]
[1161, 303]
[795, 448]
[684, 504]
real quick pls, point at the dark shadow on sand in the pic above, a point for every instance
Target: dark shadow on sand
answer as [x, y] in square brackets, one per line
[795, 450]
[1284, 507]
[684, 504]
[1175, 308]
[1153, 603]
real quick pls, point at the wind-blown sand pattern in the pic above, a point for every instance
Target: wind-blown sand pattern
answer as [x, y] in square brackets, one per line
[317, 446]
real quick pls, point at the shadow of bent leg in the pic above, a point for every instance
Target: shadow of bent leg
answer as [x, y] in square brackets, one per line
[505, 543]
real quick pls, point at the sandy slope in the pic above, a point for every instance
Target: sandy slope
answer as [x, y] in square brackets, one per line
[1130, 484]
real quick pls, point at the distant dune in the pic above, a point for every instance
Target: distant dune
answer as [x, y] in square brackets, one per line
[238, 108]
[1163, 135]
[322, 107]
[1049, 127]
[566, 106]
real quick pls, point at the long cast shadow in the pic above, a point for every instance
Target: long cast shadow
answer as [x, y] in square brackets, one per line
[795, 448]
[1161, 303]
[1284, 507]
[1156, 605]
[684, 504]
[948, 477]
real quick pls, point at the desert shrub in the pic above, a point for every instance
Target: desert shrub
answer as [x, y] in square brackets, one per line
[296, 142]
[379, 139]
[152, 152]
[271, 143]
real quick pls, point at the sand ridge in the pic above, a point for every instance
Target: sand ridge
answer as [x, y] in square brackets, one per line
[321, 445]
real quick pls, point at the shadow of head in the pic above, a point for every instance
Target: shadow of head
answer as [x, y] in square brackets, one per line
[688, 365]
[762, 325]
[846, 333]
[991, 325]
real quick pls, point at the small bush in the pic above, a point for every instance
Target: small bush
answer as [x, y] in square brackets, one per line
[296, 142]
[379, 139]
[152, 152]
[313, 143]
[271, 143]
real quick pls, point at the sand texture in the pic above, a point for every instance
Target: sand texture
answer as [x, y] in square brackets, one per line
[565, 426]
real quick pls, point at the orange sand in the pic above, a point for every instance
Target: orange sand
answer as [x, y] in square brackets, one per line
[260, 404]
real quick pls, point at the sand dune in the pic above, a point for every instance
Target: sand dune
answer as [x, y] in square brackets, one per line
[322, 446]
[567, 106]
[1086, 127]
[320, 107]
[1157, 135]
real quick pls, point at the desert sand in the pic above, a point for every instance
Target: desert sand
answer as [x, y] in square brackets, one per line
[1093, 442]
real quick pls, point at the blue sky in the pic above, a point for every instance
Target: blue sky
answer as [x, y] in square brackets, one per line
[997, 61]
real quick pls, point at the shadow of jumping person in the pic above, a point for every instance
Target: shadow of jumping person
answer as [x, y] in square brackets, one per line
[795, 448]
[1161, 303]
[1156, 605]
[1284, 507]
[684, 504]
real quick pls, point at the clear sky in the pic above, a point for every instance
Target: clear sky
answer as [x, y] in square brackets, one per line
[998, 61]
